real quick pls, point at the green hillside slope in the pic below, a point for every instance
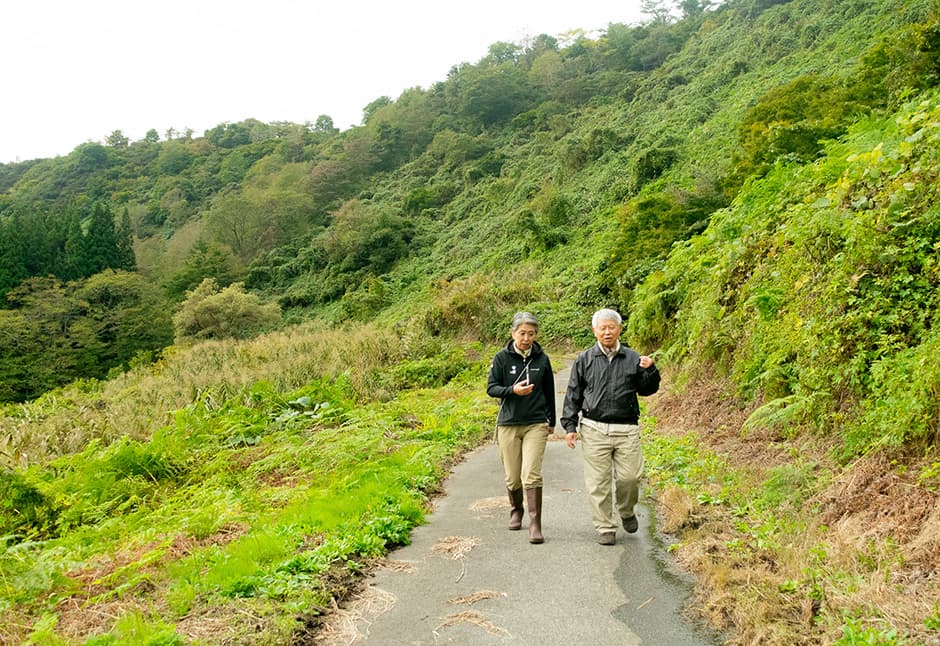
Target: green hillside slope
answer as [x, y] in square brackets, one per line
[811, 303]
[753, 185]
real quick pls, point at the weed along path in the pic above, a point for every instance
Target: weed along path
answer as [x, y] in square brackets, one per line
[465, 579]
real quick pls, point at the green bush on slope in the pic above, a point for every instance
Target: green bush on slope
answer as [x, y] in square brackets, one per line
[818, 287]
[24, 509]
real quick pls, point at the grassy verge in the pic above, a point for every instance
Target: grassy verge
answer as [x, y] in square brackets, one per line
[788, 545]
[240, 520]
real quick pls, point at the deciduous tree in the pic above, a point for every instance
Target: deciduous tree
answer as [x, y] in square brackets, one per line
[211, 313]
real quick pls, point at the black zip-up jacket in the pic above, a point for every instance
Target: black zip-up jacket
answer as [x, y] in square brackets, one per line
[605, 391]
[507, 369]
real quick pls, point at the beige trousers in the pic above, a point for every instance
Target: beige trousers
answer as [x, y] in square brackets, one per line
[611, 452]
[521, 449]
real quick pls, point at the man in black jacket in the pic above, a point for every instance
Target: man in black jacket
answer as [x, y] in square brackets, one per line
[601, 400]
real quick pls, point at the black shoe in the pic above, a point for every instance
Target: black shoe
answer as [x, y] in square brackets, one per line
[607, 538]
[631, 524]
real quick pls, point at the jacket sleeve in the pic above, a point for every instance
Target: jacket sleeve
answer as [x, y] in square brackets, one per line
[493, 386]
[574, 395]
[548, 388]
[647, 380]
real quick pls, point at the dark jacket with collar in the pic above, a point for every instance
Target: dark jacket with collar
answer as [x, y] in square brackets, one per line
[606, 390]
[508, 368]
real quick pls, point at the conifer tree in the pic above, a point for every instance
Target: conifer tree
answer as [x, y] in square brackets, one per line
[124, 239]
[12, 269]
[70, 265]
[100, 248]
[32, 229]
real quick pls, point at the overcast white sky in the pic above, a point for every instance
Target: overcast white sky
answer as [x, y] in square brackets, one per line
[73, 71]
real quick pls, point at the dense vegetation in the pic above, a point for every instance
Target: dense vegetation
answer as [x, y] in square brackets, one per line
[754, 183]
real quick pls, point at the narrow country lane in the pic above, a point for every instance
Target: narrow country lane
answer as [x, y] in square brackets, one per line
[465, 579]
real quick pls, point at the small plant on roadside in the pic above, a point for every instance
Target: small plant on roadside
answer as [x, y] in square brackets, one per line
[932, 621]
[856, 633]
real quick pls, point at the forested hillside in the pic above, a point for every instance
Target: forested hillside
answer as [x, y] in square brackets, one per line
[754, 184]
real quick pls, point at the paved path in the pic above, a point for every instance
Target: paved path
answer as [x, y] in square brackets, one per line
[465, 579]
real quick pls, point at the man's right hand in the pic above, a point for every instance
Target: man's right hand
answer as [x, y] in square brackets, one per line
[571, 439]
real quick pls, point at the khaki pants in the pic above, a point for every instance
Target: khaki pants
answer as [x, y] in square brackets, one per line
[521, 449]
[611, 451]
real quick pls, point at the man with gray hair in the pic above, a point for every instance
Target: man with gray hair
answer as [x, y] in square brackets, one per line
[601, 402]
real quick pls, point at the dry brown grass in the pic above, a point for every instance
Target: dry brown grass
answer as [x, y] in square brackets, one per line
[142, 400]
[677, 510]
[870, 542]
[77, 620]
[923, 549]
[476, 597]
[490, 504]
[226, 625]
[349, 625]
[396, 566]
[15, 626]
[455, 547]
[474, 619]
[98, 605]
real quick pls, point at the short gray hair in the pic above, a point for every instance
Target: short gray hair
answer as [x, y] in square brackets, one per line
[521, 318]
[606, 315]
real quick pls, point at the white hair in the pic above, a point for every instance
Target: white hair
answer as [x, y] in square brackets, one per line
[606, 315]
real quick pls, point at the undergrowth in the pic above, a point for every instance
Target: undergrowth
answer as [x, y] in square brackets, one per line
[272, 501]
[788, 546]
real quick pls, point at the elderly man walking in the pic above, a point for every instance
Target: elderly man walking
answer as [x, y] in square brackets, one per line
[601, 402]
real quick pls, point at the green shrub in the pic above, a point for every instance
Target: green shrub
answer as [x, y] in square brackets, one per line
[648, 226]
[430, 372]
[652, 164]
[210, 313]
[24, 510]
[904, 406]
[478, 306]
[817, 290]
[100, 483]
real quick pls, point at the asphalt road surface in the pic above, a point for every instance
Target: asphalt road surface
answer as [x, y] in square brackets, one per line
[466, 579]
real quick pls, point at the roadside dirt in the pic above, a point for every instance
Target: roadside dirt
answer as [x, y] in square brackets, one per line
[877, 521]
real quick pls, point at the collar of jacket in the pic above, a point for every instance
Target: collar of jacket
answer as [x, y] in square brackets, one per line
[536, 348]
[596, 350]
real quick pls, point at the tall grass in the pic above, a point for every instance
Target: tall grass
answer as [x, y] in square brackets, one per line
[286, 466]
[138, 402]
